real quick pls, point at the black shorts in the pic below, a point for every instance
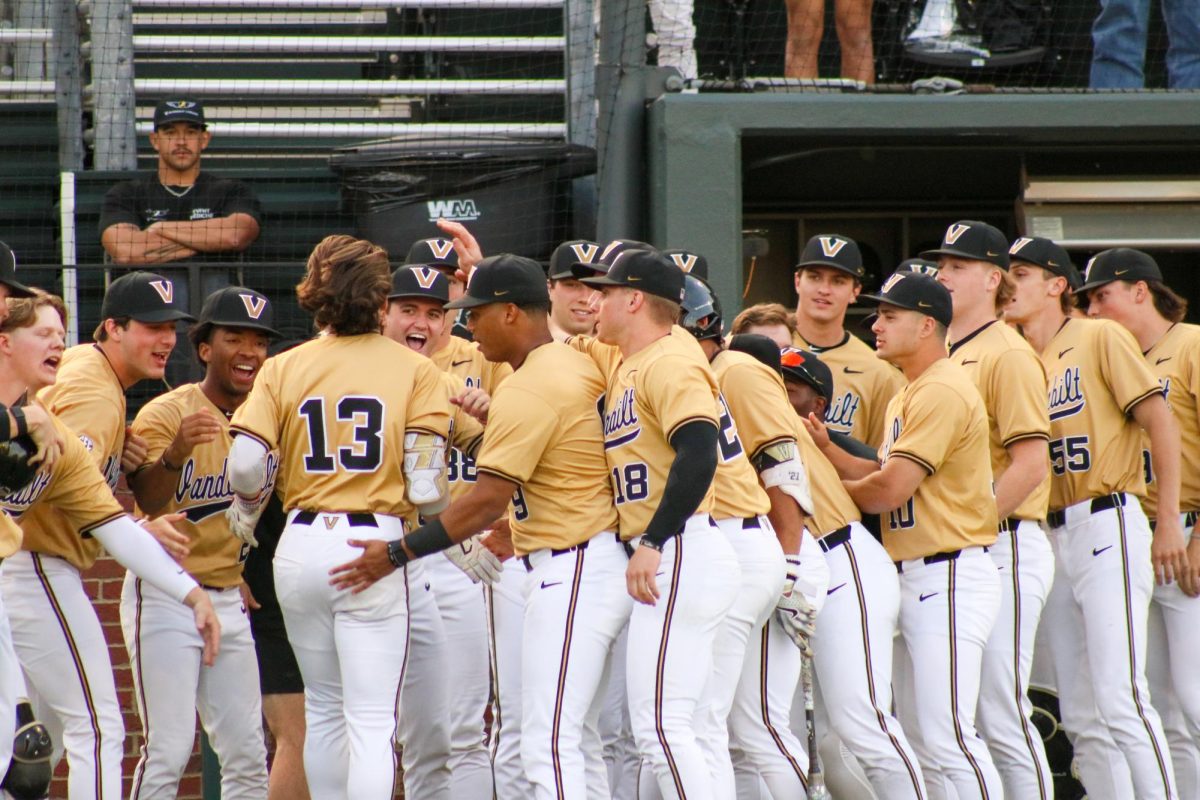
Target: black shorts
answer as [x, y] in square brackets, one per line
[278, 672]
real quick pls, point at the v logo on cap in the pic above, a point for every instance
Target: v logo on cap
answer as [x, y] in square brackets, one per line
[165, 289]
[441, 247]
[425, 276]
[955, 231]
[254, 305]
[1018, 244]
[890, 282]
[684, 261]
[831, 245]
[585, 252]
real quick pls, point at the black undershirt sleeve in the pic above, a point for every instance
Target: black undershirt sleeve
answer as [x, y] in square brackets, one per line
[691, 474]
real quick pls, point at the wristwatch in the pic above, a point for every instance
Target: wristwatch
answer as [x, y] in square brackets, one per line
[655, 546]
[396, 553]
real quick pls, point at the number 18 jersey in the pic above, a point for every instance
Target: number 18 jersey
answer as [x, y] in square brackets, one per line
[337, 408]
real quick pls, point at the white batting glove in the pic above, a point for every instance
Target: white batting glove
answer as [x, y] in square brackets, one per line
[479, 563]
[797, 615]
[242, 516]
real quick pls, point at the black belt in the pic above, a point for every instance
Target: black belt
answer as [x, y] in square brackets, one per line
[751, 524]
[561, 552]
[216, 588]
[356, 520]
[834, 539]
[1010, 524]
[1189, 520]
[937, 558]
[1056, 519]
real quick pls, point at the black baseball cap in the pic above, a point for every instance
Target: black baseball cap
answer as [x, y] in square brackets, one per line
[1044, 253]
[179, 110]
[689, 261]
[833, 250]
[613, 249]
[568, 254]
[8, 273]
[915, 291]
[143, 296]
[921, 265]
[805, 367]
[239, 307]
[436, 253]
[420, 280]
[1119, 264]
[504, 279]
[762, 348]
[647, 271]
[973, 240]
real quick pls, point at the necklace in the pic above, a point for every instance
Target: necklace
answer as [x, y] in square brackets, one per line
[176, 192]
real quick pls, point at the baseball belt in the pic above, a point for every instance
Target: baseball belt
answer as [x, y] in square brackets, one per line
[937, 558]
[356, 520]
[834, 539]
[1056, 519]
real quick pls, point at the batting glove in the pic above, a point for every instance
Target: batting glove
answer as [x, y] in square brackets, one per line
[479, 563]
[796, 614]
[242, 516]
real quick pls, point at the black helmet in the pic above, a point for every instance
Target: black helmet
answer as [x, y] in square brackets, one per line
[701, 314]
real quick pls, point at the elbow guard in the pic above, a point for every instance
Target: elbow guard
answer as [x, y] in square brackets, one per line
[425, 471]
[780, 466]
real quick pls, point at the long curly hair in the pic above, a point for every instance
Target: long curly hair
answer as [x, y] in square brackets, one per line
[346, 285]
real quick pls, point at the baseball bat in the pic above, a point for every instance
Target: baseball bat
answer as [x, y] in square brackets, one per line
[816, 780]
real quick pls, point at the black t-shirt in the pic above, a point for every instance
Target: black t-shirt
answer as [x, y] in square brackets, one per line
[143, 201]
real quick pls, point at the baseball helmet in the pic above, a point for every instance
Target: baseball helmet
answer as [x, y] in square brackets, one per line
[701, 310]
[15, 470]
[29, 772]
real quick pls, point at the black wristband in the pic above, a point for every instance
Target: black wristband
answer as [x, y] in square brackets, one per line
[167, 465]
[428, 539]
[6, 432]
[396, 553]
[651, 544]
[22, 425]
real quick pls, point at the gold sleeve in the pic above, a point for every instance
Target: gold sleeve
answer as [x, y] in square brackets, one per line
[261, 417]
[606, 356]
[158, 422]
[1123, 367]
[678, 390]
[79, 491]
[760, 408]
[934, 418]
[467, 432]
[91, 415]
[428, 407]
[521, 426]
[1018, 392]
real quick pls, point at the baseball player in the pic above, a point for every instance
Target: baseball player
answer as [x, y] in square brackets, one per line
[442, 255]
[67, 666]
[571, 309]
[359, 448]
[1139, 300]
[935, 483]
[755, 429]
[772, 320]
[542, 456]
[661, 431]
[854, 672]
[187, 447]
[828, 279]
[415, 318]
[972, 262]
[1100, 393]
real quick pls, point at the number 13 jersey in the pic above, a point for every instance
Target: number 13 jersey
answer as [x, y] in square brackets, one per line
[337, 408]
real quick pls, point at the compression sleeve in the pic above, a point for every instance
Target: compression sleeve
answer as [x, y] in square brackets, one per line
[691, 474]
[137, 550]
[247, 466]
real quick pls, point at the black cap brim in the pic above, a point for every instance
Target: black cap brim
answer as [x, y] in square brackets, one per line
[932, 255]
[466, 301]
[1087, 287]
[17, 289]
[241, 325]
[568, 274]
[166, 315]
[597, 281]
[831, 265]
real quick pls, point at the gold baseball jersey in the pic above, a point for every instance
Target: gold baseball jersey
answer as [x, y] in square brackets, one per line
[1175, 361]
[863, 384]
[465, 362]
[203, 492]
[336, 408]
[79, 496]
[89, 399]
[939, 422]
[834, 508]
[753, 401]
[1096, 375]
[1011, 381]
[544, 434]
[647, 398]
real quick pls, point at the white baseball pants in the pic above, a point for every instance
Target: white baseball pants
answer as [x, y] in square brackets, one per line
[351, 650]
[171, 685]
[1025, 564]
[506, 622]
[12, 687]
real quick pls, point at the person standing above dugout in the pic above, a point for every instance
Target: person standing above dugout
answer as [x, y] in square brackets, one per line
[828, 279]
[187, 440]
[1101, 394]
